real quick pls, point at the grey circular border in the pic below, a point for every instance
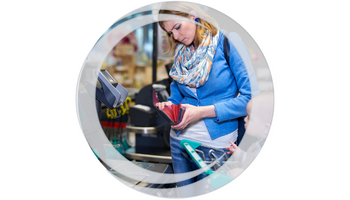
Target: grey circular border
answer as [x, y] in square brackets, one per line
[90, 123]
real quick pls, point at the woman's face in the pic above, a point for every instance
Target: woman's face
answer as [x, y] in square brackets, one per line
[181, 31]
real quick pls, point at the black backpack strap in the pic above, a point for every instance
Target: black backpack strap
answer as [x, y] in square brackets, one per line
[241, 129]
[227, 54]
[226, 50]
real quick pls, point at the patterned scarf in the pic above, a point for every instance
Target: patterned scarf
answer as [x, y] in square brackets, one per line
[192, 67]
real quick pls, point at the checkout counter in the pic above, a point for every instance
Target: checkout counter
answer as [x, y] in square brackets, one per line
[150, 130]
[151, 150]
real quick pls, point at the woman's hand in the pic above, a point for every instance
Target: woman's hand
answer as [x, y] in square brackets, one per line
[193, 114]
[231, 148]
[162, 105]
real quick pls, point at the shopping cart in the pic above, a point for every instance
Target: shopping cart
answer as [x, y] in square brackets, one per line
[210, 167]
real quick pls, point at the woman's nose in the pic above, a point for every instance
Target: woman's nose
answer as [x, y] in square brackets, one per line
[176, 35]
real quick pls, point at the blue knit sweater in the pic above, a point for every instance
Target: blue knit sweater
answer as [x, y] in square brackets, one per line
[224, 80]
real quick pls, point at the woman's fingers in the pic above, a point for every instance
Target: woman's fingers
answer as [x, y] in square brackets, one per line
[190, 116]
[162, 105]
[182, 125]
[179, 126]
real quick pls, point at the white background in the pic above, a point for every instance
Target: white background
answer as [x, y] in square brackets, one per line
[44, 153]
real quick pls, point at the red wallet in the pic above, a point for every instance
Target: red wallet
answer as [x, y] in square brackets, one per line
[172, 114]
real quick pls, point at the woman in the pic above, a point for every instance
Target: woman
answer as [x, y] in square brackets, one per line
[205, 84]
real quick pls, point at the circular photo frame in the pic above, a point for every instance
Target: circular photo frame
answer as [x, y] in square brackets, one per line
[126, 73]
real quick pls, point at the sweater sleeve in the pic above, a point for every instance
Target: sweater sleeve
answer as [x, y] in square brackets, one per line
[175, 94]
[235, 107]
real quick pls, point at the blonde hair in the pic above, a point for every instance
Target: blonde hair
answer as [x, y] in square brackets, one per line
[200, 30]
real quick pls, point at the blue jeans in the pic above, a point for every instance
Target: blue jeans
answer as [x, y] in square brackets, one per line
[182, 162]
